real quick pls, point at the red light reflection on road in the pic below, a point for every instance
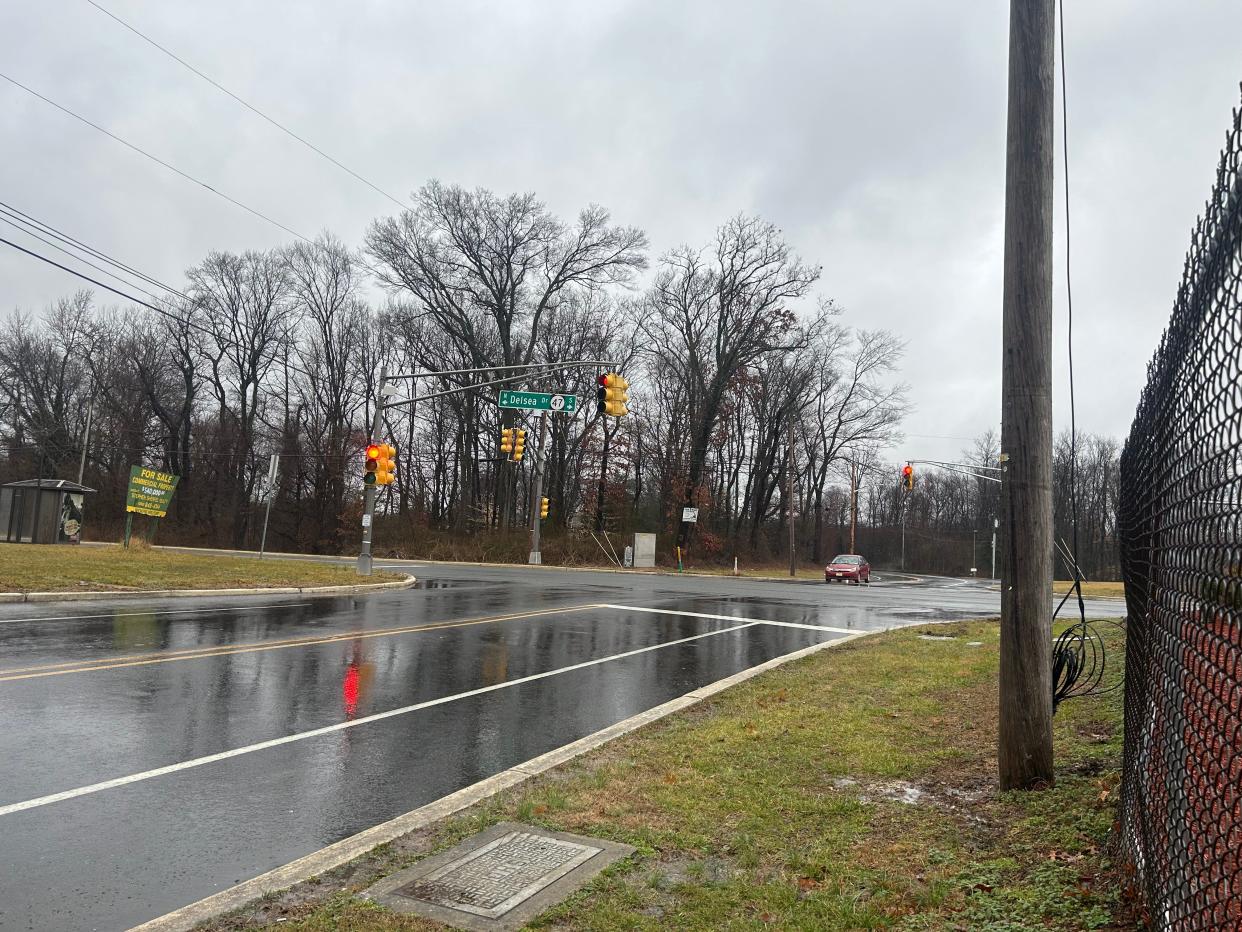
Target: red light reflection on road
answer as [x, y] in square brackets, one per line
[350, 689]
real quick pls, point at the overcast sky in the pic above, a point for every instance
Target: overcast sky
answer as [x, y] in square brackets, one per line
[871, 133]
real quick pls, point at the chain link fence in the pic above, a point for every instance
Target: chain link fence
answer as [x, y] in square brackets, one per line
[1180, 529]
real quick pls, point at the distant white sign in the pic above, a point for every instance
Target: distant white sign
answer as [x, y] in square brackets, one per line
[366, 520]
[690, 515]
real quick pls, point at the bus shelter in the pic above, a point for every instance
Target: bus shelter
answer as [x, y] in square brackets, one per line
[42, 511]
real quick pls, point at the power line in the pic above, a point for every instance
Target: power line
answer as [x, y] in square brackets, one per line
[249, 106]
[157, 160]
[151, 307]
[17, 225]
[50, 230]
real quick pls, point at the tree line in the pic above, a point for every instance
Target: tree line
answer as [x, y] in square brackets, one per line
[752, 398]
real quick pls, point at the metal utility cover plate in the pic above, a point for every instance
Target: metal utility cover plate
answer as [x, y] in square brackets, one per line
[499, 879]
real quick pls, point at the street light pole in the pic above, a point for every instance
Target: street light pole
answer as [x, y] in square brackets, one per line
[368, 495]
[793, 555]
[86, 439]
[273, 465]
[853, 502]
[995, 525]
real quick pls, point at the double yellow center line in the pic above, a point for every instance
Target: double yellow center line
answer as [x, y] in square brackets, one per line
[147, 659]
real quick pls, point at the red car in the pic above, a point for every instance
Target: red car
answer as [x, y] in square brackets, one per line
[848, 567]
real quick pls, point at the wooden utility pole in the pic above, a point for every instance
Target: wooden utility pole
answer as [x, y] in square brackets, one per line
[1025, 738]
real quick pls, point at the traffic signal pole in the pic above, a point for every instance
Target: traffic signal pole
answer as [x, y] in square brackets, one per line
[1024, 742]
[613, 393]
[368, 495]
[536, 489]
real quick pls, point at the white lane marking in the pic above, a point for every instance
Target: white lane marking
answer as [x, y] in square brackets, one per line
[753, 621]
[329, 729]
[180, 611]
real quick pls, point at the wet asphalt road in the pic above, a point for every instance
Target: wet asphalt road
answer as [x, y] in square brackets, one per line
[153, 753]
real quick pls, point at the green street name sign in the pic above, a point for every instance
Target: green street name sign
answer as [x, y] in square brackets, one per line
[538, 401]
[150, 491]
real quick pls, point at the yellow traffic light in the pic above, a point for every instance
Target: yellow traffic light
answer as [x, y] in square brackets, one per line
[519, 445]
[543, 507]
[506, 440]
[387, 470]
[612, 396]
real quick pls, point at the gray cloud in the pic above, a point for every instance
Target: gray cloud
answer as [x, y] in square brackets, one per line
[871, 133]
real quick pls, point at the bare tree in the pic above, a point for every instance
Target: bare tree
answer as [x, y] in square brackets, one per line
[489, 270]
[246, 309]
[855, 406]
[710, 314]
[323, 288]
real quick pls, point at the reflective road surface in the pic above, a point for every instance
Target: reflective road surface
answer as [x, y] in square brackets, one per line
[153, 753]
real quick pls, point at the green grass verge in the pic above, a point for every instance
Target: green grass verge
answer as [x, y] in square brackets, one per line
[782, 803]
[1093, 590]
[40, 568]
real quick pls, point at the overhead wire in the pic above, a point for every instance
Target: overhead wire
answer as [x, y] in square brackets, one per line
[1078, 654]
[163, 312]
[65, 238]
[5, 218]
[245, 103]
[156, 159]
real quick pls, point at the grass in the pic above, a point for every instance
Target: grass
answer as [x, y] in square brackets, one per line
[778, 804]
[1095, 590]
[49, 568]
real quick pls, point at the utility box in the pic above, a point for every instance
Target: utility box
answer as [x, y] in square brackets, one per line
[55, 504]
[644, 550]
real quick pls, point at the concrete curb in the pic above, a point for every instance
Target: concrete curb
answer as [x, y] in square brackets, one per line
[319, 557]
[312, 591]
[347, 849]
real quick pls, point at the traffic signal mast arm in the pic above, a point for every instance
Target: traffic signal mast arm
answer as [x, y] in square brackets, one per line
[526, 374]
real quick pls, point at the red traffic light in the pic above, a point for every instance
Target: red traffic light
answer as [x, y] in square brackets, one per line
[907, 471]
[374, 452]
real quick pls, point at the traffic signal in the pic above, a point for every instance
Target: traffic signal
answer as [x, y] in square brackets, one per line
[612, 395]
[506, 440]
[374, 451]
[519, 444]
[387, 470]
[543, 507]
[907, 477]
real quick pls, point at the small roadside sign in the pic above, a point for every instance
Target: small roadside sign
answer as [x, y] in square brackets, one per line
[150, 491]
[690, 515]
[538, 401]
